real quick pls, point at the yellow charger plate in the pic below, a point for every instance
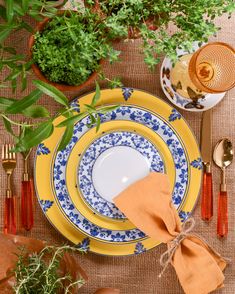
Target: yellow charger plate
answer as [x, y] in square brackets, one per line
[45, 160]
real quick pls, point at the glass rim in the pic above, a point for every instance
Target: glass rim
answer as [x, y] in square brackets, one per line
[193, 74]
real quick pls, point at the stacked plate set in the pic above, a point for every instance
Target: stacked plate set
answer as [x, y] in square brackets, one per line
[76, 186]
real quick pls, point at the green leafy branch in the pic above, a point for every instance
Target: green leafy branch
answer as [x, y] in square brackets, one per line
[39, 272]
[31, 135]
[151, 19]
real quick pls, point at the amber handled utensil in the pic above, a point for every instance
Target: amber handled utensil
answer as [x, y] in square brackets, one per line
[27, 191]
[223, 156]
[9, 164]
[206, 151]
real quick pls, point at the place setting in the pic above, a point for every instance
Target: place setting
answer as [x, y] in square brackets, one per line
[118, 171]
[79, 172]
[95, 167]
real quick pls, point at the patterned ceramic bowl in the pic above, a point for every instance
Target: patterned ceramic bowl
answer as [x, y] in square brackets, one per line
[199, 101]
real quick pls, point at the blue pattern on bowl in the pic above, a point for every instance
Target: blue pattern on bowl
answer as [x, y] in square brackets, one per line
[184, 215]
[174, 115]
[85, 182]
[127, 92]
[197, 163]
[84, 245]
[42, 149]
[46, 204]
[139, 248]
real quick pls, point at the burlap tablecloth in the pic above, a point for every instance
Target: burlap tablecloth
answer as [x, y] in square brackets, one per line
[139, 274]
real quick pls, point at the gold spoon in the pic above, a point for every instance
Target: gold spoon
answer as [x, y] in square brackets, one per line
[223, 157]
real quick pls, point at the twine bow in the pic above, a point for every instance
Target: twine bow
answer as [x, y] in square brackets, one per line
[167, 256]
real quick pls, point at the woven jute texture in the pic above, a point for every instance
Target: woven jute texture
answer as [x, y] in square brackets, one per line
[139, 274]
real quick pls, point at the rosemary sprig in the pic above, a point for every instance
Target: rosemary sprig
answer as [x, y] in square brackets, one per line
[38, 273]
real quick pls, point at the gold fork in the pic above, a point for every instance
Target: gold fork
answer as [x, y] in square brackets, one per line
[9, 164]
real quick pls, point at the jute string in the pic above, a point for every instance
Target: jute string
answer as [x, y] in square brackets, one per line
[167, 256]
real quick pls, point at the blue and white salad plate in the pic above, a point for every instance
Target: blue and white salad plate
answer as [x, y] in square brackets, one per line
[110, 164]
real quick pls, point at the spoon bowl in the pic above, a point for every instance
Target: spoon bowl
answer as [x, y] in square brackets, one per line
[223, 153]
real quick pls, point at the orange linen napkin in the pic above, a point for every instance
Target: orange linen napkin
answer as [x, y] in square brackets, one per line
[147, 203]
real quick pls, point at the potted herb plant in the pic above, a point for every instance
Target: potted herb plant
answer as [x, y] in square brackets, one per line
[150, 19]
[114, 22]
[14, 16]
[68, 49]
[15, 67]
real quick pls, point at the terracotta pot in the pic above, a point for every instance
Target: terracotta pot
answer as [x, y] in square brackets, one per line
[63, 87]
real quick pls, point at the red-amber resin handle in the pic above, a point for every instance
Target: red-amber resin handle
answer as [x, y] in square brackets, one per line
[10, 215]
[27, 204]
[222, 221]
[207, 197]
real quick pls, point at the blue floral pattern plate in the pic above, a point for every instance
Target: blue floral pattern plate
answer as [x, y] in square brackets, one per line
[130, 113]
[88, 159]
[55, 173]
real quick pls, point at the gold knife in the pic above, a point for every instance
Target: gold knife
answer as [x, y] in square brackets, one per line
[206, 151]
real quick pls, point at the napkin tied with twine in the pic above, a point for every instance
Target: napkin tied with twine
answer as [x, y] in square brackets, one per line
[147, 204]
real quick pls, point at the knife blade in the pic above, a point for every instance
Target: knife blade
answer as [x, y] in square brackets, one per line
[206, 152]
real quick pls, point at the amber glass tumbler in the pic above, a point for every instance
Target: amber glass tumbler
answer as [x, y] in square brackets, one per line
[212, 68]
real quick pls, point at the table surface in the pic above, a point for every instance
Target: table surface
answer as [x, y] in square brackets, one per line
[139, 274]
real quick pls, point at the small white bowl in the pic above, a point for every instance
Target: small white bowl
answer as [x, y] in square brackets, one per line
[205, 103]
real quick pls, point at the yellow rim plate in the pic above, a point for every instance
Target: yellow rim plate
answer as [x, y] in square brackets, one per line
[80, 148]
[45, 158]
[84, 219]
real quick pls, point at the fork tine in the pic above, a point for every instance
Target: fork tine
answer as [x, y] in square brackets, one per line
[3, 151]
[9, 150]
[6, 151]
[9, 153]
[13, 153]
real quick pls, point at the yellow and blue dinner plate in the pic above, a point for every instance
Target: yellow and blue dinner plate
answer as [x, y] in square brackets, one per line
[65, 181]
